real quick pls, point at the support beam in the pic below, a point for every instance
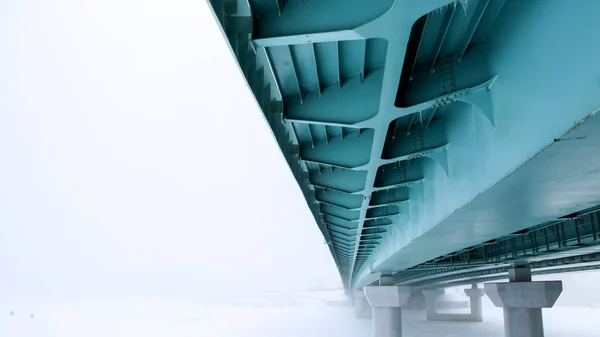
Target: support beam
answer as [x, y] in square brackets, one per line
[354, 102]
[523, 301]
[329, 124]
[400, 184]
[305, 18]
[448, 15]
[337, 152]
[387, 301]
[330, 165]
[481, 7]
[333, 204]
[478, 97]
[432, 153]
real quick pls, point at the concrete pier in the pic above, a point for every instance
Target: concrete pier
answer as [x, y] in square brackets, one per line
[522, 301]
[387, 301]
[431, 296]
[475, 299]
[362, 308]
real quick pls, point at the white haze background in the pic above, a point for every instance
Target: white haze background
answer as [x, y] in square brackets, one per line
[135, 162]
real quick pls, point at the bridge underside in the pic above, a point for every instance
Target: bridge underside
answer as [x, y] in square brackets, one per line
[421, 131]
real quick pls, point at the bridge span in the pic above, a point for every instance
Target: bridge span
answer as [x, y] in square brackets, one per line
[436, 142]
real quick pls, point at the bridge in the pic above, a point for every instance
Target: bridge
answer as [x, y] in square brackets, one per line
[438, 142]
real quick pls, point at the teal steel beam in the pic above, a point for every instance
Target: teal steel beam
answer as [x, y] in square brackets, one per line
[338, 205]
[314, 21]
[326, 123]
[302, 18]
[444, 126]
[407, 183]
[356, 101]
[479, 99]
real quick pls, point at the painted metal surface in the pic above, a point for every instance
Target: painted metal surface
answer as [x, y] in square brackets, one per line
[577, 235]
[420, 128]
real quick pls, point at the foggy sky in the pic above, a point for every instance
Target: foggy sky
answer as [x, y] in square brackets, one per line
[134, 161]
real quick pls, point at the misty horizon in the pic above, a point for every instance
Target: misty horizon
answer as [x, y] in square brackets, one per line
[140, 164]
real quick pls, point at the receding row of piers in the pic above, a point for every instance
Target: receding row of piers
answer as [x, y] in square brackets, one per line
[521, 298]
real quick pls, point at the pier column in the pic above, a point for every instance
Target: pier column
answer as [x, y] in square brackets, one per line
[362, 308]
[475, 295]
[522, 301]
[431, 296]
[387, 301]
